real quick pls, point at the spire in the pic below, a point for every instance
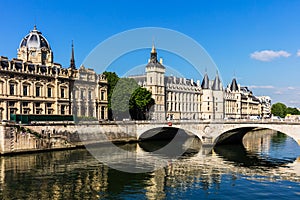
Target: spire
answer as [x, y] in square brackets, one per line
[153, 55]
[205, 82]
[217, 83]
[72, 61]
[34, 28]
[234, 86]
[153, 48]
[153, 62]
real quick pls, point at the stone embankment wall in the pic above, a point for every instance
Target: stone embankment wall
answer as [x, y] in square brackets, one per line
[26, 138]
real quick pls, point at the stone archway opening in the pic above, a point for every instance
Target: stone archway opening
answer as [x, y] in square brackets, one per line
[257, 148]
[170, 142]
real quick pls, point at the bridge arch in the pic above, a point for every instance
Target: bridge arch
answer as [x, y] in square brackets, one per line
[235, 133]
[164, 132]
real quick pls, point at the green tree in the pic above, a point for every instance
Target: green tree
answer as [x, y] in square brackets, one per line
[140, 104]
[292, 111]
[279, 109]
[126, 98]
[112, 80]
[120, 98]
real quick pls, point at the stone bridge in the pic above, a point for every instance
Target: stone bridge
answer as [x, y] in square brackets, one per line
[216, 132]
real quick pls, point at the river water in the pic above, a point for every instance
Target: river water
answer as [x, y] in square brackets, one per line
[266, 166]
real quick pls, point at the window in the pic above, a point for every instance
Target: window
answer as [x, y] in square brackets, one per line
[25, 90]
[25, 104]
[12, 111]
[26, 111]
[208, 103]
[11, 103]
[82, 94]
[90, 95]
[150, 79]
[37, 91]
[102, 95]
[37, 104]
[49, 105]
[49, 92]
[63, 107]
[207, 108]
[102, 112]
[62, 92]
[12, 89]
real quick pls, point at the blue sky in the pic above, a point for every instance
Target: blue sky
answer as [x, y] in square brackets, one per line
[257, 41]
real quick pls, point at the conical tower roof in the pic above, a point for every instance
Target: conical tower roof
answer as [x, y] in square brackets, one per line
[205, 82]
[234, 86]
[217, 83]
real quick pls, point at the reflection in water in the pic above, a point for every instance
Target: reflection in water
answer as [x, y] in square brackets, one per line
[265, 166]
[254, 152]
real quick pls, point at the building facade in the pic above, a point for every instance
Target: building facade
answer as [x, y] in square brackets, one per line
[181, 98]
[33, 84]
[241, 103]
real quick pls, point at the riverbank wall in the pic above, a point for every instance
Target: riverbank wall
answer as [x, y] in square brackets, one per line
[15, 138]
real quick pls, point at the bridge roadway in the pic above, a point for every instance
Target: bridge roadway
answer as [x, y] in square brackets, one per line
[222, 131]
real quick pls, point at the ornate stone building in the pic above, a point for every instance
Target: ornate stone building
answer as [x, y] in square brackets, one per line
[33, 84]
[265, 106]
[241, 103]
[181, 98]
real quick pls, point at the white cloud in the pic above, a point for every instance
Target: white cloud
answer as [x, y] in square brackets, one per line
[291, 88]
[278, 92]
[261, 86]
[268, 55]
[298, 53]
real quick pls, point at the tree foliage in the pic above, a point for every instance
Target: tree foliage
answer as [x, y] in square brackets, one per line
[292, 111]
[112, 80]
[280, 109]
[127, 99]
[140, 104]
[120, 98]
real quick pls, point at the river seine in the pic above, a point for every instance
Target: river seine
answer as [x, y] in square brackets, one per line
[266, 166]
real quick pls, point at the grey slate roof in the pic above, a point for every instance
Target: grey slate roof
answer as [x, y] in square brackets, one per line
[217, 83]
[234, 86]
[205, 82]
